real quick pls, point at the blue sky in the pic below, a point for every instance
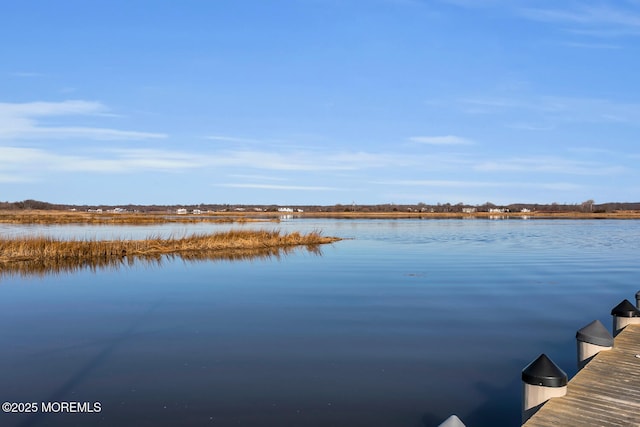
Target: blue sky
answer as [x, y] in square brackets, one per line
[319, 101]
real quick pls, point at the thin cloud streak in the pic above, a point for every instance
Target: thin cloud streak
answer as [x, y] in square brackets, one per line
[138, 160]
[596, 21]
[23, 161]
[13, 179]
[548, 165]
[531, 127]
[18, 121]
[281, 187]
[310, 160]
[42, 108]
[26, 74]
[132, 159]
[441, 140]
[41, 133]
[231, 139]
[555, 109]
[586, 15]
[558, 186]
[592, 45]
[256, 177]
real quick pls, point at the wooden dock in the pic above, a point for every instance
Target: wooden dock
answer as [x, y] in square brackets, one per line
[606, 392]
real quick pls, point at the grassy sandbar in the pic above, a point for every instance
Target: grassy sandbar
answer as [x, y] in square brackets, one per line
[42, 254]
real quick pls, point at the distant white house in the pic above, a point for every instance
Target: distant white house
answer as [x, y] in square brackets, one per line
[181, 211]
[525, 210]
[197, 211]
[498, 210]
[469, 210]
[285, 209]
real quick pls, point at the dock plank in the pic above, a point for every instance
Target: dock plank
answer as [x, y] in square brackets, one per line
[605, 393]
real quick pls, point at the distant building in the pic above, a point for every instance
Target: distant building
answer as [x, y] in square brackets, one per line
[469, 210]
[181, 211]
[197, 211]
[285, 209]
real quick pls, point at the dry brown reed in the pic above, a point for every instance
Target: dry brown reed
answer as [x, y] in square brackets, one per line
[42, 255]
[108, 218]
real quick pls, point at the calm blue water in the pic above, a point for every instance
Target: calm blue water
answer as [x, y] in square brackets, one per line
[404, 324]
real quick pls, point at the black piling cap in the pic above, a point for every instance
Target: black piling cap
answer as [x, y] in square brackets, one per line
[544, 372]
[595, 333]
[625, 309]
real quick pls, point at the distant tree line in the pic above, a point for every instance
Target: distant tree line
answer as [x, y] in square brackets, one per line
[586, 206]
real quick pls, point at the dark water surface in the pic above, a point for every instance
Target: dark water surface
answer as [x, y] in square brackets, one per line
[405, 324]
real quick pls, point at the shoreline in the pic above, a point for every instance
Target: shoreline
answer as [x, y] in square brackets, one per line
[454, 215]
[144, 218]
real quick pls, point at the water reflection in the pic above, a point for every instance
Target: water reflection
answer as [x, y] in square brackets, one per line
[43, 267]
[403, 325]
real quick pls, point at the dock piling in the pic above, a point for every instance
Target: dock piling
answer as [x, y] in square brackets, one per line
[541, 380]
[452, 421]
[591, 340]
[624, 314]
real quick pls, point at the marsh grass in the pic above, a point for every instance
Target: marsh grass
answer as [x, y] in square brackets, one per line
[108, 218]
[42, 255]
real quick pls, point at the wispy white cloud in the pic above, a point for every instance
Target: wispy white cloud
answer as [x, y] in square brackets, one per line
[597, 151]
[595, 20]
[309, 160]
[20, 121]
[529, 126]
[139, 160]
[548, 164]
[487, 105]
[280, 187]
[593, 45]
[561, 186]
[42, 132]
[231, 139]
[473, 3]
[436, 183]
[587, 15]
[41, 108]
[558, 186]
[441, 140]
[555, 109]
[24, 163]
[25, 74]
[255, 177]
[6, 178]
